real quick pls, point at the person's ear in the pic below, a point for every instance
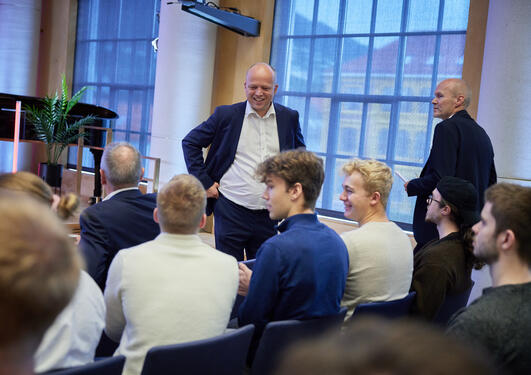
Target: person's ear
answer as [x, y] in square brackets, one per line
[460, 101]
[506, 239]
[103, 177]
[203, 221]
[374, 198]
[295, 191]
[156, 215]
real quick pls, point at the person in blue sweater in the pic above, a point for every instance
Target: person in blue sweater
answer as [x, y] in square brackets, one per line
[299, 273]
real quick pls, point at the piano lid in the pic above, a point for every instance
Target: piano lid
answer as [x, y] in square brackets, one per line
[7, 101]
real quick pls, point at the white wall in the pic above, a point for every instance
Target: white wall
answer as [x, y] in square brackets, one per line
[183, 84]
[505, 96]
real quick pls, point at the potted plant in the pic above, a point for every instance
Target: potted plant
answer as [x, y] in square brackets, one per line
[56, 130]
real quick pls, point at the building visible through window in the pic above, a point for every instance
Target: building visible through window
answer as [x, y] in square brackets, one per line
[361, 73]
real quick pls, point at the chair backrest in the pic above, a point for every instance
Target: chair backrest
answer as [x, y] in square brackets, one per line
[388, 309]
[239, 299]
[277, 336]
[107, 366]
[224, 354]
[452, 303]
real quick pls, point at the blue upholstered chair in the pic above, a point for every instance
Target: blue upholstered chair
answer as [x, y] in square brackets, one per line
[387, 309]
[220, 355]
[239, 299]
[277, 336]
[451, 304]
[107, 366]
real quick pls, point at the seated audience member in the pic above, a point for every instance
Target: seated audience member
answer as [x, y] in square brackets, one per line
[173, 289]
[380, 253]
[32, 184]
[444, 266]
[39, 272]
[374, 346]
[72, 338]
[125, 216]
[500, 320]
[301, 272]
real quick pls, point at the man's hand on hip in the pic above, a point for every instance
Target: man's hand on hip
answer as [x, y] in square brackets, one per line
[212, 192]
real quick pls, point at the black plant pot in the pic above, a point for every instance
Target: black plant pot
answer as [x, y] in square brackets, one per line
[51, 173]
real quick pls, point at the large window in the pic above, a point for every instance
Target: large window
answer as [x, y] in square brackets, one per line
[115, 59]
[361, 73]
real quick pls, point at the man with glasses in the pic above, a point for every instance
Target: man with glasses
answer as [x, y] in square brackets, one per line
[444, 266]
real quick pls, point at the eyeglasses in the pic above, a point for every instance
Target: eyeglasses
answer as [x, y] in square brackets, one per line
[430, 199]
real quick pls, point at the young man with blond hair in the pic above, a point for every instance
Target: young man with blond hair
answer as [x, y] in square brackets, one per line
[500, 320]
[174, 288]
[299, 273]
[380, 253]
[39, 273]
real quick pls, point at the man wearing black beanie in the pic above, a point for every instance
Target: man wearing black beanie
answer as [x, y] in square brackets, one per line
[443, 266]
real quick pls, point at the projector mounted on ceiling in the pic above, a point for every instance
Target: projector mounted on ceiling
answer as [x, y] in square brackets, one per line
[231, 20]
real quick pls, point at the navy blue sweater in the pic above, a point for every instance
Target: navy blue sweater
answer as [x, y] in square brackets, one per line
[299, 274]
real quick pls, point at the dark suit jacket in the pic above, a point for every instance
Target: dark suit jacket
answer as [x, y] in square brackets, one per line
[221, 132]
[460, 148]
[123, 221]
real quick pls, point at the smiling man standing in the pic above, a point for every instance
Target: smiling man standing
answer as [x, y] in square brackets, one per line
[240, 137]
[460, 148]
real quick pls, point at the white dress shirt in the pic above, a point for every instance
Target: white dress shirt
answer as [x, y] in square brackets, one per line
[258, 141]
[74, 335]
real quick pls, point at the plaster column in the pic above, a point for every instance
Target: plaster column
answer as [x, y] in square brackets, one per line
[20, 22]
[506, 87]
[183, 84]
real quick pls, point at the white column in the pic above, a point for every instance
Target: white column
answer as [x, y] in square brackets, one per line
[503, 108]
[183, 84]
[506, 86]
[20, 22]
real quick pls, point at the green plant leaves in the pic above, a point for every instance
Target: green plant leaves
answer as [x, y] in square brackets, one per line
[52, 125]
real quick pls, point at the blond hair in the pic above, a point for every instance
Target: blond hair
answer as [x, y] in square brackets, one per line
[377, 176]
[181, 204]
[36, 187]
[39, 268]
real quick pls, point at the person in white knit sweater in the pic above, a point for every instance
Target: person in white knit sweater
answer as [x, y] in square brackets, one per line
[380, 253]
[174, 288]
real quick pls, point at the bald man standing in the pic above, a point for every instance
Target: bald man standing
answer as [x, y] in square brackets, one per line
[461, 148]
[240, 137]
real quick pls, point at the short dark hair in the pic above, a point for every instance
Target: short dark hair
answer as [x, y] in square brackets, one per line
[374, 346]
[511, 208]
[295, 166]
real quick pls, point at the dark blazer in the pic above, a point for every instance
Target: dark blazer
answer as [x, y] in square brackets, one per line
[460, 148]
[221, 132]
[123, 221]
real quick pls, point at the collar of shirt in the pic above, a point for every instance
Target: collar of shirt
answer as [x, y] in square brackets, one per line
[110, 195]
[299, 219]
[250, 111]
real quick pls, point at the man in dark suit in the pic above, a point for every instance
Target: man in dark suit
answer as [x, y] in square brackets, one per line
[124, 218]
[240, 137]
[460, 148]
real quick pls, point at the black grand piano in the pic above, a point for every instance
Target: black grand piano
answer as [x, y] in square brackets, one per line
[95, 139]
